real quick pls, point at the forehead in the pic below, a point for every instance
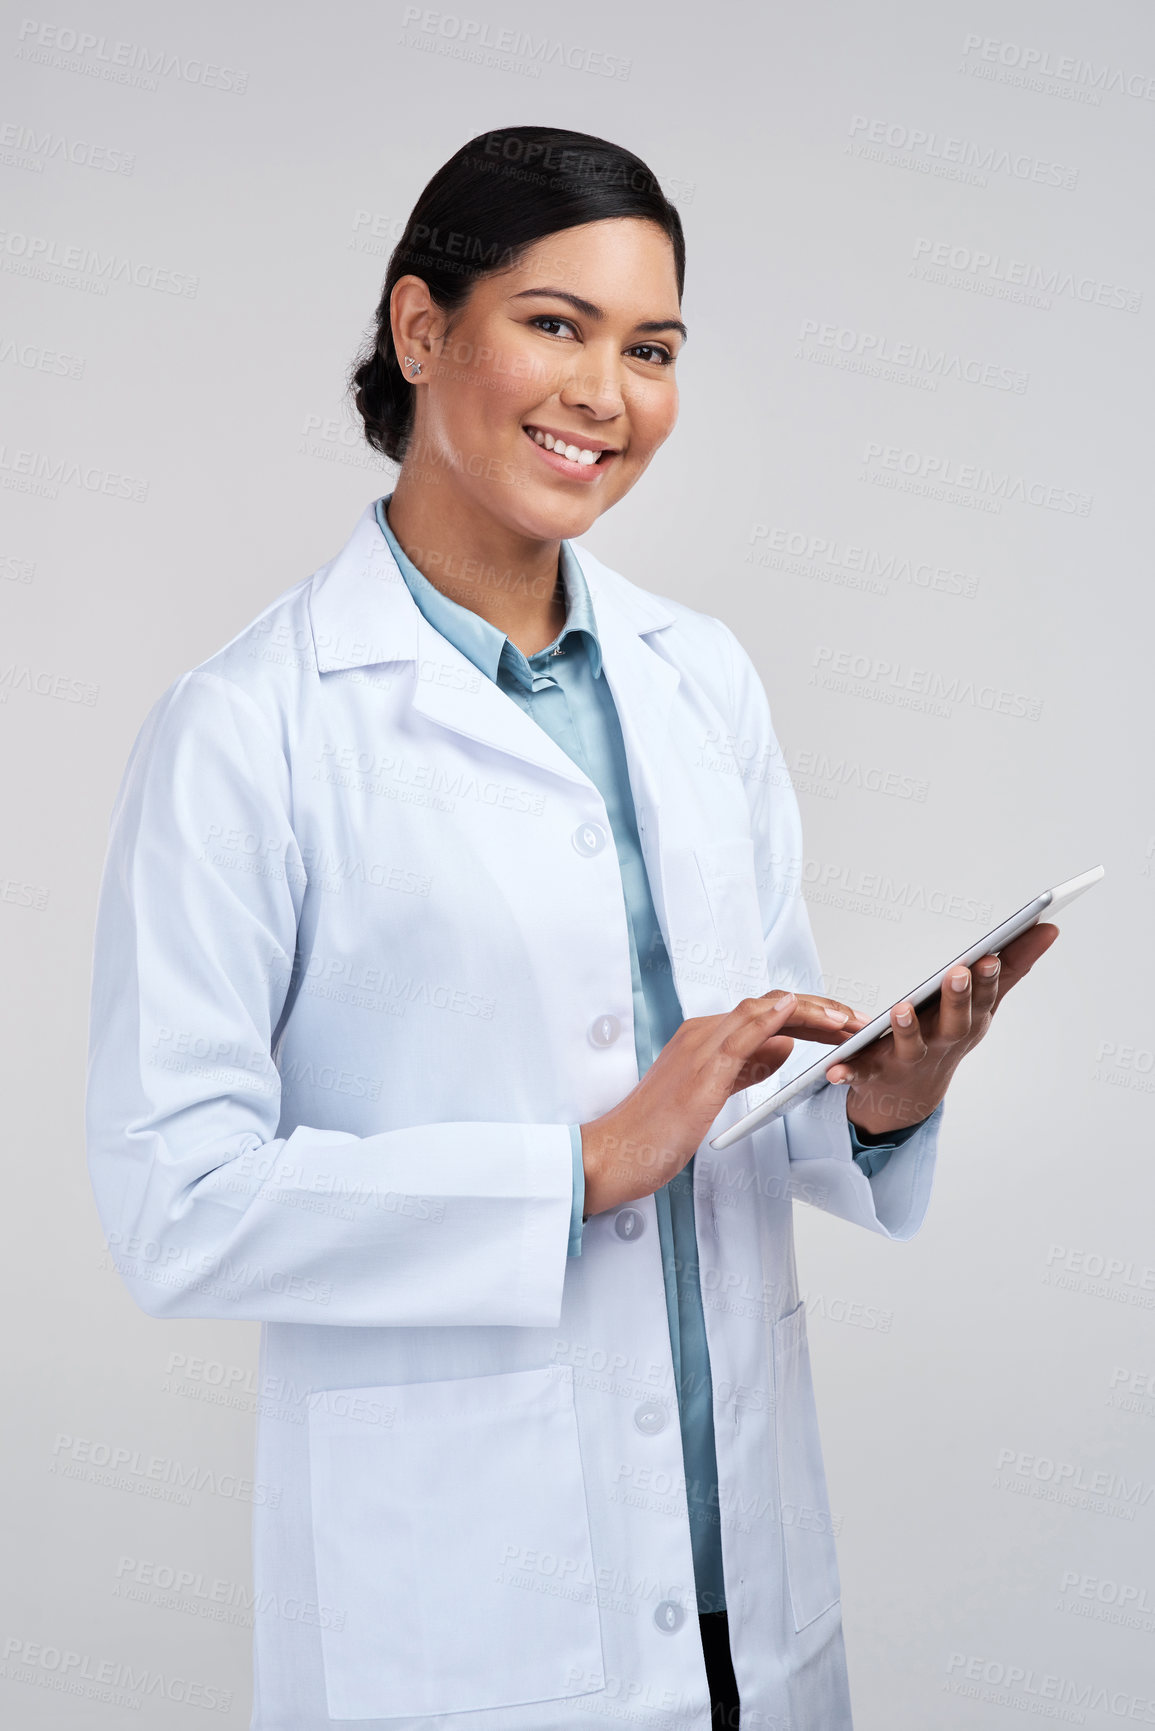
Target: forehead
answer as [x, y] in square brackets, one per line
[617, 263]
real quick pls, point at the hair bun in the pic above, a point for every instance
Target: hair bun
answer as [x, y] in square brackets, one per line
[382, 400]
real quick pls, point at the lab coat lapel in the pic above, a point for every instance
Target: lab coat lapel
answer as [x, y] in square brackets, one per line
[641, 682]
[363, 615]
[450, 690]
[643, 687]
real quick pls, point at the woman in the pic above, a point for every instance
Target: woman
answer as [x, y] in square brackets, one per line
[432, 945]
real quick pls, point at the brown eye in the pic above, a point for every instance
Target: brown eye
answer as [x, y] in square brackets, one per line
[545, 319]
[653, 352]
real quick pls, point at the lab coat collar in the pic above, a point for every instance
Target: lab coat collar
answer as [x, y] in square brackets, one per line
[363, 615]
[484, 644]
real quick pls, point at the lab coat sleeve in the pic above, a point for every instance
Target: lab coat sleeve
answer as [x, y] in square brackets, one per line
[576, 1221]
[208, 1211]
[892, 1201]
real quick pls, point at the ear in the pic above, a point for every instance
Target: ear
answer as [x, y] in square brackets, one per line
[414, 320]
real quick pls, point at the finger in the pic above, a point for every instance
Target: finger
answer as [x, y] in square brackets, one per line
[1019, 957]
[746, 1033]
[984, 986]
[909, 1041]
[838, 1015]
[816, 1029]
[763, 1063]
[820, 1020]
[954, 1009]
[843, 1073]
[750, 1023]
[905, 1044]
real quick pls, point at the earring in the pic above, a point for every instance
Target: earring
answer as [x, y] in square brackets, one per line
[414, 366]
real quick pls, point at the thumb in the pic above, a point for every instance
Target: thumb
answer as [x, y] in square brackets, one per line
[769, 1057]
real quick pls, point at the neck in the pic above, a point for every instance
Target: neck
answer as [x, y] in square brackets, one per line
[510, 580]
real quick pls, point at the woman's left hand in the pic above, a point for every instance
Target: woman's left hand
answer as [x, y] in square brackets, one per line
[899, 1081]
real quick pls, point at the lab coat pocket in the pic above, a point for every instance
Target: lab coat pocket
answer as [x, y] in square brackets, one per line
[807, 1529]
[728, 877]
[451, 1533]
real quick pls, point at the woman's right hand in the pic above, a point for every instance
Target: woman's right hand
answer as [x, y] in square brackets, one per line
[645, 1140]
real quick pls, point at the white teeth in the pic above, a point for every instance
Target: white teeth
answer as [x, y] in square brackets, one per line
[575, 453]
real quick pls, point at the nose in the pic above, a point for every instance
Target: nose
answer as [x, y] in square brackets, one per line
[595, 388]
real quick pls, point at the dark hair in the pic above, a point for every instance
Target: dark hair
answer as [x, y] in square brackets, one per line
[495, 198]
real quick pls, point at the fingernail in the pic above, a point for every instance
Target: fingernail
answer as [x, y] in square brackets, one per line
[959, 982]
[989, 969]
[839, 1016]
[904, 1017]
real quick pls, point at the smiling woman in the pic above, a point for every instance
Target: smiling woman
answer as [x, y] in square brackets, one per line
[524, 353]
[487, 936]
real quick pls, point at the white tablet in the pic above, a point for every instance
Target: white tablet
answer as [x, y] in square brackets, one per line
[811, 1080]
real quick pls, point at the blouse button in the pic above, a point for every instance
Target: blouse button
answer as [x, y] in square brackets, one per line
[589, 838]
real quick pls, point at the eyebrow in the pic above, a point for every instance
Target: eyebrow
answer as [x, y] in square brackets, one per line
[591, 311]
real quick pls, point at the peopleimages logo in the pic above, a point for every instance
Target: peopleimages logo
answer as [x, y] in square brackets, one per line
[23, 147]
[821, 880]
[83, 267]
[1067, 68]
[951, 477]
[1101, 1482]
[852, 564]
[1028, 1688]
[476, 38]
[1105, 1592]
[40, 360]
[44, 474]
[70, 50]
[949, 158]
[997, 276]
[859, 674]
[900, 360]
[116, 1682]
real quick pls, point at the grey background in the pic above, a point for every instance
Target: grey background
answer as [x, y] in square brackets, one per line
[971, 1384]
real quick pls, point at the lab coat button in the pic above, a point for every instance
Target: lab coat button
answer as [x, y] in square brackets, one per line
[669, 1617]
[651, 1417]
[629, 1223]
[589, 838]
[604, 1030]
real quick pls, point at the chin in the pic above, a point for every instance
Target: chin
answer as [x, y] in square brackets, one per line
[540, 513]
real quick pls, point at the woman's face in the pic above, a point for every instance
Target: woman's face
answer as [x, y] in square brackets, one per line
[575, 344]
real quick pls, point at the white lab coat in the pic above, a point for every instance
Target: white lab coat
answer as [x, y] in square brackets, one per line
[339, 844]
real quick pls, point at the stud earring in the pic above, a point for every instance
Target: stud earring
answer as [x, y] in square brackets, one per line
[414, 366]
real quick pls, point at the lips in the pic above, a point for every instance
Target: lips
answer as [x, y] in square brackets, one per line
[575, 448]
